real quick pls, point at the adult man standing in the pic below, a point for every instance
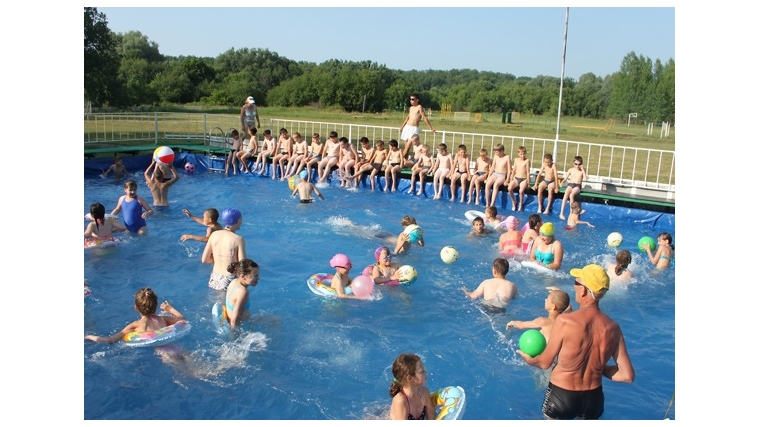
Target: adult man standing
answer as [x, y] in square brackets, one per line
[582, 342]
[411, 123]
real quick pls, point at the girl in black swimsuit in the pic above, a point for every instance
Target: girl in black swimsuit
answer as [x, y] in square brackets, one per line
[410, 396]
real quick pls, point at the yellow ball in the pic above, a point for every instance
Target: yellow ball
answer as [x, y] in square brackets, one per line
[615, 239]
[449, 254]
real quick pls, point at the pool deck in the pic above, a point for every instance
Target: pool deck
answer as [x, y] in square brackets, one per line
[593, 191]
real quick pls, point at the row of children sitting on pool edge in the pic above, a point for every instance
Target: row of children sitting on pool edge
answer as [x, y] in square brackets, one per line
[291, 154]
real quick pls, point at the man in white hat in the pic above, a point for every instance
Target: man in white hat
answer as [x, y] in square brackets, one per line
[582, 342]
[248, 114]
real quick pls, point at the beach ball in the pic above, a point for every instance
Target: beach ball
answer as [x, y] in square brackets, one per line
[303, 174]
[646, 241]
[615, 239]
[292, 182]
[406, 273]
[163, 155]
[449, 254]
[189, 167]
[532, 342]
[414, 232]
[362, 286]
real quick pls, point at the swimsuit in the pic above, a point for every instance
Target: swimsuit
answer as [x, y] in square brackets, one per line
[480, 173]
[220, 281]
[231, 307]
[409, 416]
[545, 258]
[519, 180]
[395, 164]
[307, 200]
[548, 182]
[561, 404]
[133, 219]
[572, 185]
[501, 175]
[249, 151]
[513, 243]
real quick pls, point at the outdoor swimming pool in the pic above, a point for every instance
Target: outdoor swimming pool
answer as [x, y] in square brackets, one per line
[308, 358]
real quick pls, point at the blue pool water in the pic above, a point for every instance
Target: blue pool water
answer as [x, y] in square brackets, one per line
[309, 358]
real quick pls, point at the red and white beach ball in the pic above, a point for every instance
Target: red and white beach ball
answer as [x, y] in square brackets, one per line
[163, 155]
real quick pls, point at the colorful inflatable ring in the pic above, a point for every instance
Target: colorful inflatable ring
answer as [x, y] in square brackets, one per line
[368, 272]
[97, 242]
[158, 337]
[220, 318]
[319, 283]
[449, 403]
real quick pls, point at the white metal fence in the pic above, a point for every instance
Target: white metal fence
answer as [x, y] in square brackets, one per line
[636, 168]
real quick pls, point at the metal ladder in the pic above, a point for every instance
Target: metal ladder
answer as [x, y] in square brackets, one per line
[220, 139]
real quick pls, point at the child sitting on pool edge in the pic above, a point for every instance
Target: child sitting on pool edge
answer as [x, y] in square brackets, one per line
[497, 291]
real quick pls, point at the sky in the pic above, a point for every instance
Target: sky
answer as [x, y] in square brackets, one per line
[519, 41]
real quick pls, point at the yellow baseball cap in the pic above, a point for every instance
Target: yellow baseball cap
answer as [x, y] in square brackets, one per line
[594, 277]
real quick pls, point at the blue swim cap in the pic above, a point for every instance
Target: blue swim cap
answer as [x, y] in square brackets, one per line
[230, 217]
[303, 174]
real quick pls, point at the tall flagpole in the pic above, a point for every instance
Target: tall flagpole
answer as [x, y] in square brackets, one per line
[561, 85]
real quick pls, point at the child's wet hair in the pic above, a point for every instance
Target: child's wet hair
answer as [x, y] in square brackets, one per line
[243, 267]
[478, 220]
[213, 214]
[146, 301]
[501, 266]
[408, 220]
[393, 143]
[560, 299]
[575, 206]
[492, 211]
[404, 366]
[534, 220]
[130, 185]
[665, 235]
[97, 211]
[622, 259]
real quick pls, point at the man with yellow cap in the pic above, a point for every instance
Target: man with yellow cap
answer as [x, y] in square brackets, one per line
[582, 342]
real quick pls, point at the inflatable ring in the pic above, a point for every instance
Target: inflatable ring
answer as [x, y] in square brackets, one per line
[319, 283]
[449, 403]
[536, 266]
[97, 242]
[88, 217]
[220, 318]
[470, 215]
[158, 337]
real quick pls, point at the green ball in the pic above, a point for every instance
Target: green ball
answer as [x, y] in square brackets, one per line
[646, 241]
[532, 342]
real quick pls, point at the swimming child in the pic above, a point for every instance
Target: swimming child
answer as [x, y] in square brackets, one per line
[556, 303]
[146, 303]
[411, 399]
[497, 291]
[549, 171]
[117, 168]
[304, 189]
[210, 221]
[223, 248]
[101, 227]
[236, 300]
[547, 251]
[384, 271]
[510, 240]
[664, 255]
[341, 280]
[575, 216]
[619, 271]
[402, 242]
[492, 217]
[479, 227]
[133, 204]
[534, 223]
[158, 183]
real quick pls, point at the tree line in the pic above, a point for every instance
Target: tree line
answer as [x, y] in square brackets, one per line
[124, 70]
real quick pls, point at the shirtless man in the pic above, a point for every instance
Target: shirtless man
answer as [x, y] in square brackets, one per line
[582, 342]
[501, 168]
[248, 114]
[330, 159]
[574, 179]
[223, 248]
[549, 171]
[159, 184]
[496, 292]
[520, 178]
[412, 122]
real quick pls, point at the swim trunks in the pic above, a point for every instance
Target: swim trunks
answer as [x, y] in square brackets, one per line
[220, 281]
[520, 180]
[480, 173]
[249, 151]
[572, 185]
[307, 200]
[408, 131]
[500, 175]
[561, 404]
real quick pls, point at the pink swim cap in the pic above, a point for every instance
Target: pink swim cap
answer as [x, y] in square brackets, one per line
[511, 223]
[341, 260]
[378, 251]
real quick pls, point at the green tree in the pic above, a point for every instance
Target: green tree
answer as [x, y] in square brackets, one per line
[632, 89]
[101, 61]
